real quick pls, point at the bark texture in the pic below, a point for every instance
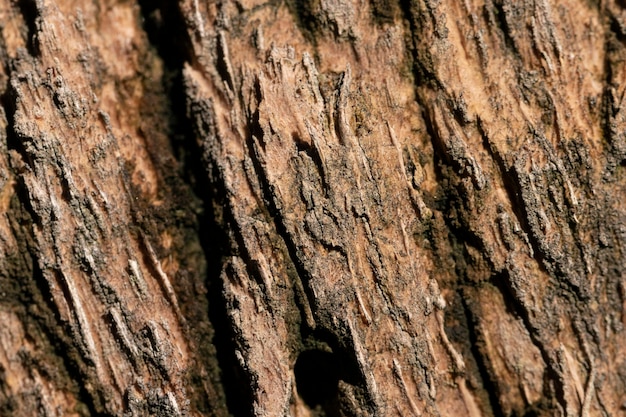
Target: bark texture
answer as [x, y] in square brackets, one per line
[312, 208]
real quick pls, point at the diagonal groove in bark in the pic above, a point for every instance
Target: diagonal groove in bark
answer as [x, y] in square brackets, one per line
[278, 220]
[421, 66]
[310, 331]
[30, 11]
[490, 384]
[209, 184]
[460, 235]
[508, 291]
[464, 235]
[501, 20]
[514, 189]
[511, 187]
[166, 30]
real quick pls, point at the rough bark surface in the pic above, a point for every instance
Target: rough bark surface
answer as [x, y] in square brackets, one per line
[316, 208]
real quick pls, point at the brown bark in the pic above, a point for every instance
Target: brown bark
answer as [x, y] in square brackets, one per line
[318, 208]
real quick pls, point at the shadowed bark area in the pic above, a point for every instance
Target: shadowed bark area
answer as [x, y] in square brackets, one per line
[316, 208]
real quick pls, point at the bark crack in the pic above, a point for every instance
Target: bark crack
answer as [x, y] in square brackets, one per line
[166, 30]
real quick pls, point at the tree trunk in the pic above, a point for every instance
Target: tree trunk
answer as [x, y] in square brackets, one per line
[312, 208]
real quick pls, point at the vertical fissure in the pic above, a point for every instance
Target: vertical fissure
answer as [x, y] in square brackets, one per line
[489, 383]
[166, 31]
[505, 286]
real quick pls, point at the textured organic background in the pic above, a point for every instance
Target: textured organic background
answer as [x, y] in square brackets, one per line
[312, 208]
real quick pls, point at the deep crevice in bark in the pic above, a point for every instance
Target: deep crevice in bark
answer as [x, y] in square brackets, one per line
[166, 30]
[452, 203]
[512, 185]
[276, 217]
[30, 11]
[459, 234]
[237, 382]
[324, 333]
[421, 66]
[501, 20]
[216, 244]
[459, 237]
[490, 384]
[306, 19]
[505, 286]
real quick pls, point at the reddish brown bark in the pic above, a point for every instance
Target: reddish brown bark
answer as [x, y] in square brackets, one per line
[312, 208]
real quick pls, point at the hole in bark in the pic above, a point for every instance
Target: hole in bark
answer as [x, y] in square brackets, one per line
[317, 377]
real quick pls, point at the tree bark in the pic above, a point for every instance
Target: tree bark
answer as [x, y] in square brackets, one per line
[316, 208]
